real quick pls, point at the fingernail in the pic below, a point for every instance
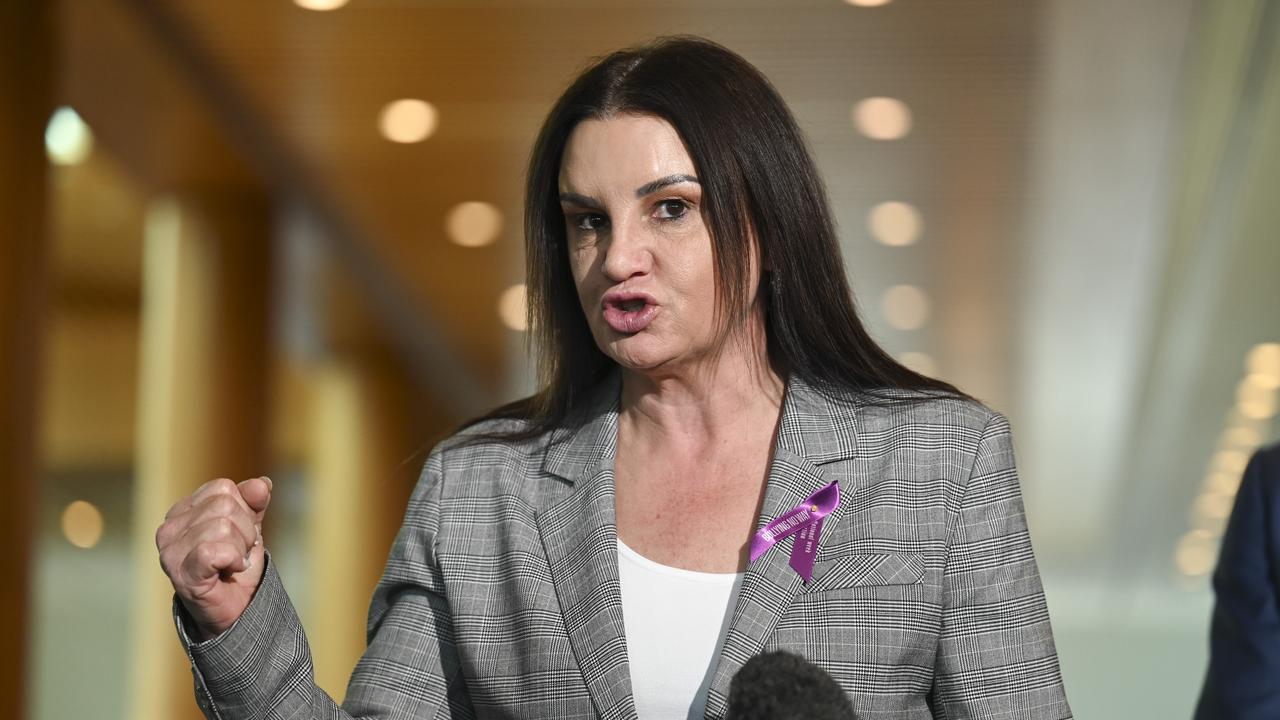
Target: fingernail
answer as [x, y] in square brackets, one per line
[258, 540]
[270, 486]
[248, 563]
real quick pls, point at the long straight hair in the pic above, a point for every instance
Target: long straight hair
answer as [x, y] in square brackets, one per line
[758, 180]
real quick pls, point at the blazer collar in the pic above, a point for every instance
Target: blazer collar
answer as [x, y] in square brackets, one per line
[814, 426]
[572, 452]
[579, 534]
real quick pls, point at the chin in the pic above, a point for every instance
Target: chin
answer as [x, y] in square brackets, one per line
[638, 352]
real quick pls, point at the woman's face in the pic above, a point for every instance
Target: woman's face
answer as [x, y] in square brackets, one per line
[638, 248]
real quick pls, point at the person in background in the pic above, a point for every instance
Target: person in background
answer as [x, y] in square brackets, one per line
[1243, 679]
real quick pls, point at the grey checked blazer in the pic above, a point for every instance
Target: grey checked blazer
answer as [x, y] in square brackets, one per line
[500, 598]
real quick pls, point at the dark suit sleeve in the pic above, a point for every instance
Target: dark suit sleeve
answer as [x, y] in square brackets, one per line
[261, 666]
[1243, 679]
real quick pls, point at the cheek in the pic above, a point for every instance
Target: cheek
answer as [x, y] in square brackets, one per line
[696, 274]
[580, 262]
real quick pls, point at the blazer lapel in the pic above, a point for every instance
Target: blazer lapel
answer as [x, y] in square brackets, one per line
[580, 534]
[812, 431]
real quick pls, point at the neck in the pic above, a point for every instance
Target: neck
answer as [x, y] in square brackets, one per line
[735, 393]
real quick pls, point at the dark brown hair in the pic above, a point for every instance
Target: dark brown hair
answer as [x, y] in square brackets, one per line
[757, 178]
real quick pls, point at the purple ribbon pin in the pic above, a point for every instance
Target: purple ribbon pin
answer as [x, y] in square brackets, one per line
[805, 522]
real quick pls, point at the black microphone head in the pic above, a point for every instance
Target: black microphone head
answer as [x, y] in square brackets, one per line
[784, 686]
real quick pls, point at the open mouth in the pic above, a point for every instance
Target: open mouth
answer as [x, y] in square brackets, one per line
[628, 313]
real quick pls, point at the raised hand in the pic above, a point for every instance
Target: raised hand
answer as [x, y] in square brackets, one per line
[211, 548]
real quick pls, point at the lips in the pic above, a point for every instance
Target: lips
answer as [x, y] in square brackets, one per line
[628, 312]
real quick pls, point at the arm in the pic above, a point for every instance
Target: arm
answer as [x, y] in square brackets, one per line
[261, 666]
[1244, 658]
[996, 657]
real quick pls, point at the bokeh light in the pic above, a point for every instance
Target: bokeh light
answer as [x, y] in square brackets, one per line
[513, 307]
[67, 138]
[321, 5]
[896, 224]
[906, 307]
[882, 118]
[1264, 358]
[408, 120]
[473, 224]
[1196, 553]
[82, 524]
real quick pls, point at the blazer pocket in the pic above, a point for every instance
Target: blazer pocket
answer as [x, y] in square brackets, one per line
[866, 570]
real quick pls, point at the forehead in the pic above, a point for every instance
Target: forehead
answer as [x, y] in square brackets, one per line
[621, 152]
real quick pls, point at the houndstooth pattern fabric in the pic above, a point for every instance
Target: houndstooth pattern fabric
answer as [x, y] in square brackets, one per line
[500, 598]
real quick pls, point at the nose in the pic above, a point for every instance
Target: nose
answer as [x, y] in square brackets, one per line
[628, 252]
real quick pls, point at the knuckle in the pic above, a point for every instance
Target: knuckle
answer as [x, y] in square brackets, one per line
[170, 562]
[223, 505]
[205, 554]
[225, 526]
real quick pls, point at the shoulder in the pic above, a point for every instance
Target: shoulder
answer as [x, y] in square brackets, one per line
[485, 459]
[911, 412]
[905, 406]
[1267, 458]
[903, 427]
[1264, 467]
[491, 442]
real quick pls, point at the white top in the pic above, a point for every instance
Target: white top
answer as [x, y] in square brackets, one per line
[675, 621]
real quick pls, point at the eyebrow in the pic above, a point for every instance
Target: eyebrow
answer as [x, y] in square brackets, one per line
[646, 189]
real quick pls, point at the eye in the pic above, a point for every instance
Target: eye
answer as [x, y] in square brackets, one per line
[588, 222]
[672, 209]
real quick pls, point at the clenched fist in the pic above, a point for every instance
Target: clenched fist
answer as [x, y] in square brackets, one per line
[211, 548]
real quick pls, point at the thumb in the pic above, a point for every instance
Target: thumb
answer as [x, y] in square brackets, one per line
[256, 493]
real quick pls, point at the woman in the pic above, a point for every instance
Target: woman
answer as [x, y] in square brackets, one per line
[721, 462]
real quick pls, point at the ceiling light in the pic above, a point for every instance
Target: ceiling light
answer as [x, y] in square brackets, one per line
[82, 524]
[1264, 358]
[1256, 397]
[473, 224]
[906, 307]
[320, 4]
[895, 224]
[1222, 483]
[408, 120]
[1196, 553]
[1231, 462]
[67, 139]
[882, 118]
[1243, 437]
[513, 308]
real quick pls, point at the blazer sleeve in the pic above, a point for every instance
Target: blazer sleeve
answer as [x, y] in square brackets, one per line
[261, 666]
[1243, 679]
[996, 657]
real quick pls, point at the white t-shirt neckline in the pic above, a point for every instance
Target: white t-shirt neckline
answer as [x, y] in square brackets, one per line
[675, 622]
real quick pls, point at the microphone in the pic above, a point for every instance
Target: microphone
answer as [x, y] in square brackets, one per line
[784, 686]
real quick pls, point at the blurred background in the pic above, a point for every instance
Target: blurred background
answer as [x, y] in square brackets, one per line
[264, 236]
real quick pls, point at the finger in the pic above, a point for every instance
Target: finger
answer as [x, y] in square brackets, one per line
[184, 514]
[168, 531]
[223, 498]
[210, 560]
[217, 486]
[178, 508]
[256, 493]
[237, 529]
